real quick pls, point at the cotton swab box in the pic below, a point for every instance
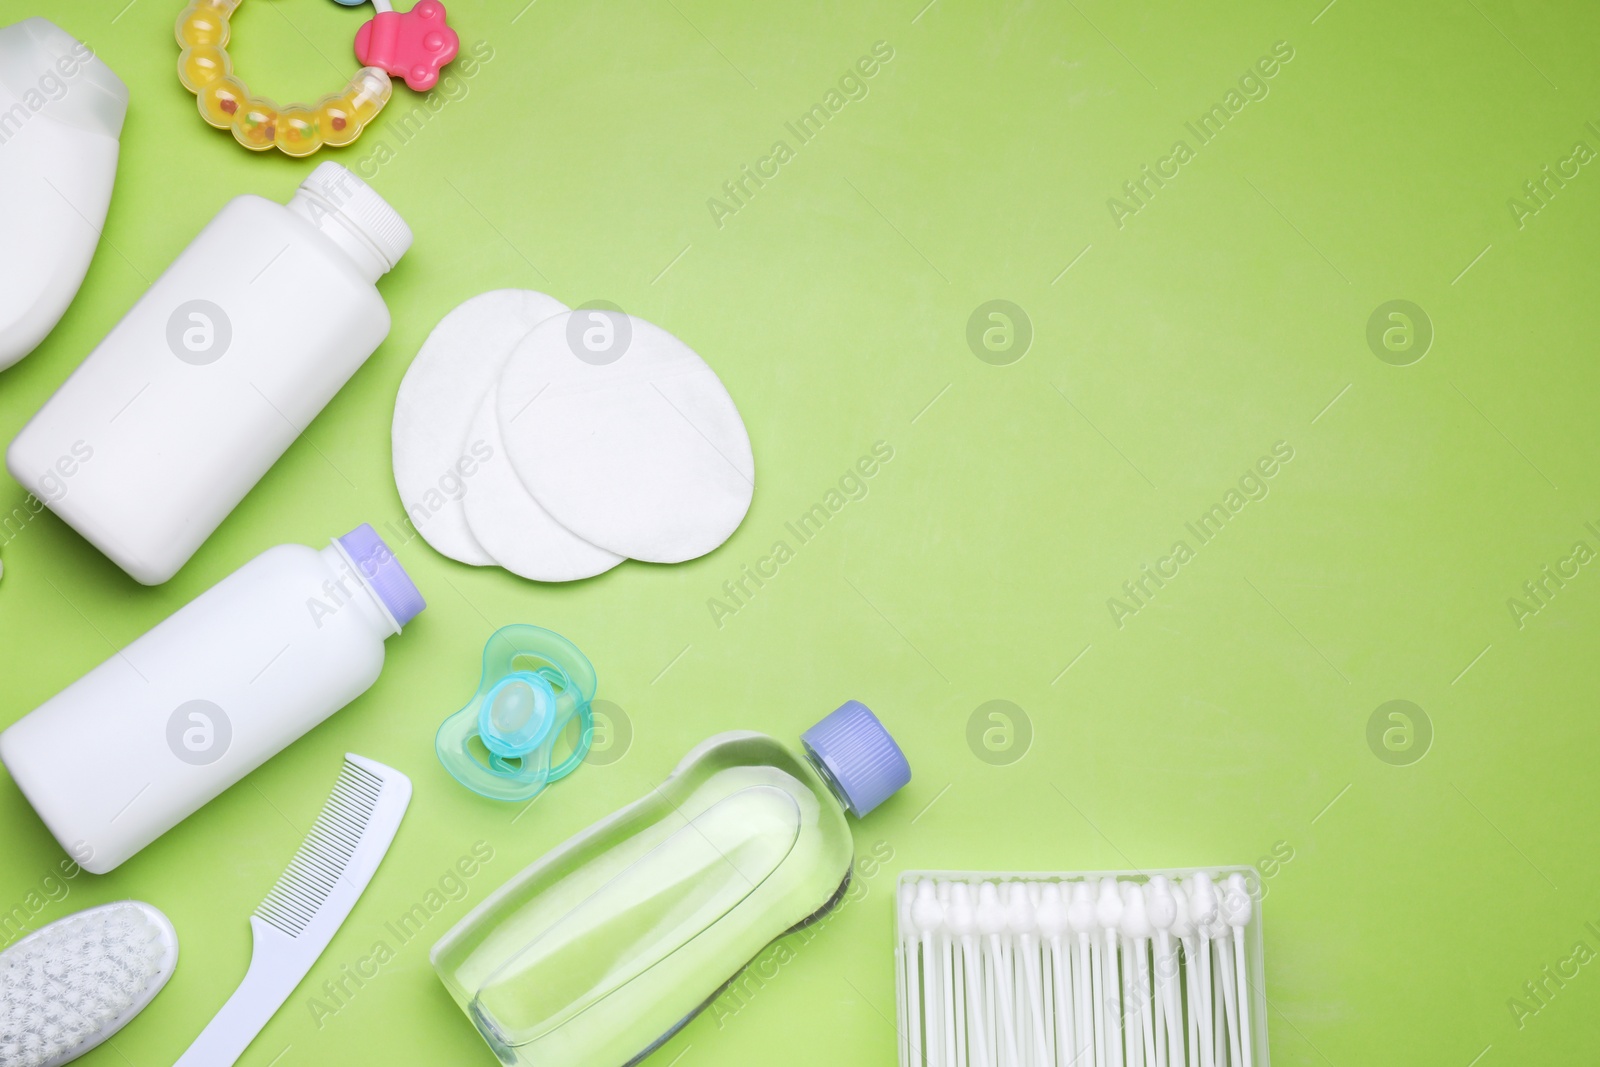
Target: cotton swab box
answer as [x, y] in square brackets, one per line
[68, 986]
[1116, 969]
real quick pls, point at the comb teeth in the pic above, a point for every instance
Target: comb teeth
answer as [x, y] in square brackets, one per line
[326, 852]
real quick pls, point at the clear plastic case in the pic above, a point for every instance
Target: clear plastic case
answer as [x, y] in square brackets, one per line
[988, 975]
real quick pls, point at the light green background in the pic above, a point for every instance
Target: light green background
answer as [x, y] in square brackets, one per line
[1226, 719]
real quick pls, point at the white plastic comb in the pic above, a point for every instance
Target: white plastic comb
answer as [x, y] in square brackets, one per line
[68, 986]
[304, 910]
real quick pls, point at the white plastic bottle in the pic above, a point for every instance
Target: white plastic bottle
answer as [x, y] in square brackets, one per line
[214, 372]
[61, 112]
[139, 743]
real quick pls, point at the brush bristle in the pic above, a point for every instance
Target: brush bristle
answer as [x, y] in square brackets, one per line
[77, 981]
[325, 853]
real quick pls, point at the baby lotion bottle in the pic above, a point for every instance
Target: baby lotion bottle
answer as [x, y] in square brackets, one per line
[133, 747]
[216, 370]
[601, 950]
[61, 112]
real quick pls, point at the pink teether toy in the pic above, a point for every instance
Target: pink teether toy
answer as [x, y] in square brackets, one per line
[412, 45]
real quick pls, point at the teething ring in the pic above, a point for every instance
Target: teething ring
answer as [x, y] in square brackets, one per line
[415, 44]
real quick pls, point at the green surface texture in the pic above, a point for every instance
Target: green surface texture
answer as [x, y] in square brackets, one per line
[1160, 343]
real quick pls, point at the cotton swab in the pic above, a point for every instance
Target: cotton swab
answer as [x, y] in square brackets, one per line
[1203, 908]
[1021, 922]
[1237, 906]
[1108, 913]
[962, 923]
[1033, 1041]
[1077, 971]
[906, 977]
[1091, 1023]
[992, 923]
[1163, 912]
[1150, 984]
[954, 1014]
[988, 959]
[926, 919]
[1218, 932]
[1183, 930]
[954, 1039]
[1051, 917]
[1136, 930]
[1219, 1026]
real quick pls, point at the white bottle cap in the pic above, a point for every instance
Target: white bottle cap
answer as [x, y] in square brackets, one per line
[48, 69]
[358, 220]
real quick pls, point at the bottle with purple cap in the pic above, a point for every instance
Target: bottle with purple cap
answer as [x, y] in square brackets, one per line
[604, 948]
[139, 743]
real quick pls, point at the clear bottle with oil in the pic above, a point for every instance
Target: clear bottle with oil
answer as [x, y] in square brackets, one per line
[604, 948]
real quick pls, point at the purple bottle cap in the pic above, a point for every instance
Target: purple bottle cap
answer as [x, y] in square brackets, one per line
[383, 573]
[859, 755]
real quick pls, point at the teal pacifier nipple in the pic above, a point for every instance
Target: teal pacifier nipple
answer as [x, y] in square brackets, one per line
[535, 684]
[516, 714]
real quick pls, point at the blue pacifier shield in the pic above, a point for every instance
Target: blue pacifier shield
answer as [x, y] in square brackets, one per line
[535, 684]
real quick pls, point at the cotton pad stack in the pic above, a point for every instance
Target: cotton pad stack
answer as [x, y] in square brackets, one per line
[556, 443]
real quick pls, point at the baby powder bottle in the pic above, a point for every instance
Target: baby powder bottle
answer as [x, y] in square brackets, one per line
[601, 950]
[133, 747]
[214, 372]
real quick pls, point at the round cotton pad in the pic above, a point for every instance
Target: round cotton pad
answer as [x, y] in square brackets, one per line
[513, 528]
[435, 462]
[625, 436]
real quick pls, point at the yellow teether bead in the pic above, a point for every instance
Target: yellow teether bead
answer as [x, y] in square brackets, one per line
[202, 26]
[222, 100]
[298, 134]
[336, 122]
[201, 65]
[256, 125]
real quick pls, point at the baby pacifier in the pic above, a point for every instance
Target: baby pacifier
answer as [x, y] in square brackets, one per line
[535, 684]
[413, 45]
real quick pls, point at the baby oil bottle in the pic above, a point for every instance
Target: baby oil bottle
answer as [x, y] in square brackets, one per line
[604, 948]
